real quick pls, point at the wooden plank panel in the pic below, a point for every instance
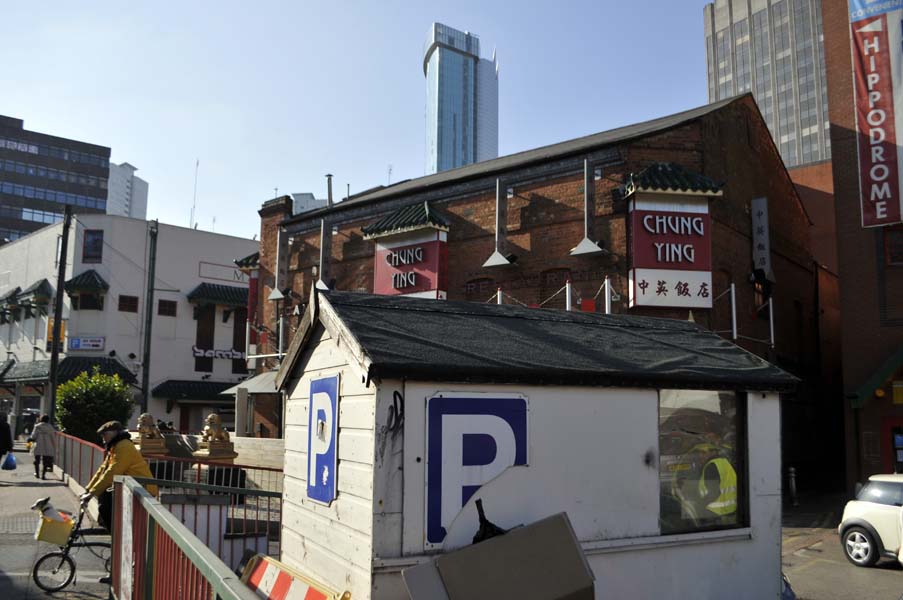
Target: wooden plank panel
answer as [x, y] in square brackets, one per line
[321, 564]
[355, 412]
[334, 535]
[387, 529]
[356, 445]
[356, 479]
[296, 438]
[354, 512]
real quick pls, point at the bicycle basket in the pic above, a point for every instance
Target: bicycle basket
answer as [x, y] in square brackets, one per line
[54, 532]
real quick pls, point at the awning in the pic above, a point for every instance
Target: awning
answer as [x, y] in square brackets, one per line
[407, 218]
[880, 377]
[69, 368]
[182, 389]
[89, 281]
[221, 295]
[265, 383]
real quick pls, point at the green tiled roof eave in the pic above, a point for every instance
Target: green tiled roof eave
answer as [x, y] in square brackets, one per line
[221, 295]
[89, 281]
[39, 292]
[671, 177]
[249, 262]
[407, 218]
[10, 296]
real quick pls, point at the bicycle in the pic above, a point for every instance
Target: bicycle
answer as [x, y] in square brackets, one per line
[56, 570]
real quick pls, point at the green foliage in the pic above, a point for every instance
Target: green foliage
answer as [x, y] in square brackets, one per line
[85, 403]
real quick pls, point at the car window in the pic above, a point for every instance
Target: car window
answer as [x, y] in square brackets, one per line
[882, 492]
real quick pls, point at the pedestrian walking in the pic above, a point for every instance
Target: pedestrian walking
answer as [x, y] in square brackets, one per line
[44, 437]
[6, 437]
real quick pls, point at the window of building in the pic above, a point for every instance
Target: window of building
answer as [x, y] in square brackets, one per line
[166, 308]
[92, 251]
[87, 301]
[128, 304]
[893, 246]
[702, 462]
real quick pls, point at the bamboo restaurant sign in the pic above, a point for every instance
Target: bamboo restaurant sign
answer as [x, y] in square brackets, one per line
[211, 353]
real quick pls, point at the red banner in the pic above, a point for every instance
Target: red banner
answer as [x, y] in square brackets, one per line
[878, 174]
[671, 240]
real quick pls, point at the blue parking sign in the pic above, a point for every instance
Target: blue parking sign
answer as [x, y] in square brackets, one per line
[470, 441]
[322, 439]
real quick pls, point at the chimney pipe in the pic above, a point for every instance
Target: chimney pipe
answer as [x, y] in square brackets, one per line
[329, 190]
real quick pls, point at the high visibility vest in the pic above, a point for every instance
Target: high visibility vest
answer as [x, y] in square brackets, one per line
[726, 502]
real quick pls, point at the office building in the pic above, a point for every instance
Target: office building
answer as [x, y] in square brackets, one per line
[199, 312]
[127, 194]
[40, 174]
[774, 49]
[462, 103]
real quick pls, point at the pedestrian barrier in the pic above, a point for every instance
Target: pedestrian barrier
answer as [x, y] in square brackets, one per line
[77, 458]
[213, 472]
[156, 556]
[272, 579]
[229, 520]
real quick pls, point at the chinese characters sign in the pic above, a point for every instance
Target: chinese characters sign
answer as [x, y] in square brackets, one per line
[877, 66]
[671, 259]
[761, 250]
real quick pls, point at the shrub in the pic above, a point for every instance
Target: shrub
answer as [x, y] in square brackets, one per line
[88, 401]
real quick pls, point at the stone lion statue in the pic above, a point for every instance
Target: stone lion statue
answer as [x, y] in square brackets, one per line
[147, 428]
[213, 429]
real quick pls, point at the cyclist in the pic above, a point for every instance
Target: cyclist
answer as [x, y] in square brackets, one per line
[120, 458]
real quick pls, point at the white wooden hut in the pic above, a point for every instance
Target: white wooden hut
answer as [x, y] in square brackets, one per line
[658, 438]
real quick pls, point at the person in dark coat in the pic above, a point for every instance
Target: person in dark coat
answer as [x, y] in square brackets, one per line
[6, 437]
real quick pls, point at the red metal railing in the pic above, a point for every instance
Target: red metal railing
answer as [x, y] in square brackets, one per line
[156, 556]
[77, 458]
[232, 508]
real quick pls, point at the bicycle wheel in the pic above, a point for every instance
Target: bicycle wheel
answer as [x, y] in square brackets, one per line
[53, 571]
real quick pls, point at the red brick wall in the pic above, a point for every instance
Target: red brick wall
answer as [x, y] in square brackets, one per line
[815, 185]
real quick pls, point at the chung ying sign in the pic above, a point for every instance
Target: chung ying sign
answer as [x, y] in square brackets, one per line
[878, 83]
[211, 353]
[411, 264]
[671, 258]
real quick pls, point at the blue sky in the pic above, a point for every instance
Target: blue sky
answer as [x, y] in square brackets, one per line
[277, 94]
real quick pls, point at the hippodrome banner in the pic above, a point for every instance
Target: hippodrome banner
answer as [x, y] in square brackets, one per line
[878, 82]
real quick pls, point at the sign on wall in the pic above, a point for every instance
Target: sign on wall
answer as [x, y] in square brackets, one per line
[212, 353]
[470, 441]
[671, 259]
[217, 272]
[322, 439]
[411, 264]
[86, 343]
[878, 83]
[761, 238]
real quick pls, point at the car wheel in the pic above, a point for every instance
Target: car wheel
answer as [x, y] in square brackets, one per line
[859, 547]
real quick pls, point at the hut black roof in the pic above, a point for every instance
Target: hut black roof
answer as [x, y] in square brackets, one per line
[436, 340]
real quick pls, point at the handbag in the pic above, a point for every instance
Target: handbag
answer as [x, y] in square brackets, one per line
[9, 463]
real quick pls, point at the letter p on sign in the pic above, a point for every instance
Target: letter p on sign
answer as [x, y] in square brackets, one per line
[322, 437]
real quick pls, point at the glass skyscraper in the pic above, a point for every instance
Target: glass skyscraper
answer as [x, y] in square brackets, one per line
[461, 100]
[774, 49]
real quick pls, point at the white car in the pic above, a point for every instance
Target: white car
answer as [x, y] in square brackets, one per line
[871, 524]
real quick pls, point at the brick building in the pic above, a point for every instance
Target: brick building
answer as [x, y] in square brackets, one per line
[718, 157]
[871, 269]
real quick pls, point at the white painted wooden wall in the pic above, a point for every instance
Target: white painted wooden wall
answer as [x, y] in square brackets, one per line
[331, 543]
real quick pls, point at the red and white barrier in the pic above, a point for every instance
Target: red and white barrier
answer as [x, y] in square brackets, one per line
[272, 580]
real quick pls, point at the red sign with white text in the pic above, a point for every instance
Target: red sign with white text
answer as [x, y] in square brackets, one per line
[410, 269]
[671, 240]
[878, 173]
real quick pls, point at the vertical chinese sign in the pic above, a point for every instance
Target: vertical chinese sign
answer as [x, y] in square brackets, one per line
[877, 78]
[671, 257]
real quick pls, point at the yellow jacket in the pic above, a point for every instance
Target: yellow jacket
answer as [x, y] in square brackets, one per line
[122, 459]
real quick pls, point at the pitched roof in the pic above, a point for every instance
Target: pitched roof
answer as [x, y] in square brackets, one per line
[435, 340]
[407, 218]
[183, 389]
[249, 262]
[264, 383]
[671, 177]
[9, 296]
[6, 366]
[521, 159]
[40, 290]
[69, 368]
[222, 295]
[89, 281]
